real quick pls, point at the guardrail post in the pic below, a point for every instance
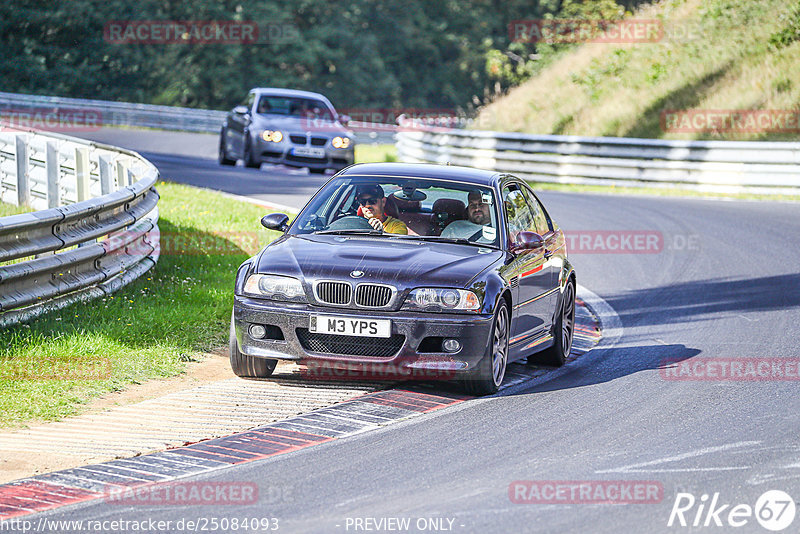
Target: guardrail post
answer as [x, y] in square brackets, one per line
[53, 175]
[122, 175]
[23, 178]
[105, 175]
[82, 173]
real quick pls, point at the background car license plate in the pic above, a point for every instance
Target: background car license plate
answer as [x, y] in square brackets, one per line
[309, 152]
[350, 326]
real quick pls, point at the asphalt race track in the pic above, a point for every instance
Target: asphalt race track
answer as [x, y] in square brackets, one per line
[719, 280]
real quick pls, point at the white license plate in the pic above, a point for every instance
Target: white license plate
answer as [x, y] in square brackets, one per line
[350, 326]
[309, 152]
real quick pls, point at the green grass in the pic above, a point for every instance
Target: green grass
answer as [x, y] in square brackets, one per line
[715, 55]
[375, 153]
[149, 329]
[10, 209]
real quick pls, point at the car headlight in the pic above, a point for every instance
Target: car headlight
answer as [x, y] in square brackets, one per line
[340, 142]
[437, 299]
[276, 136]
[275, 287]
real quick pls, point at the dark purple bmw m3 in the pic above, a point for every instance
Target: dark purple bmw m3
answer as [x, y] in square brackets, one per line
[419, 269]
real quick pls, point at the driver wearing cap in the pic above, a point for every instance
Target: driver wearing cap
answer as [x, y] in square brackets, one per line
[372, 202]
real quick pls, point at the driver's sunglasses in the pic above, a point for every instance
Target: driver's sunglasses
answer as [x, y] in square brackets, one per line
[369, 200]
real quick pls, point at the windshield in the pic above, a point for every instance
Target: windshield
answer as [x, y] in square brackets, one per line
[294, 107]
[415, 208]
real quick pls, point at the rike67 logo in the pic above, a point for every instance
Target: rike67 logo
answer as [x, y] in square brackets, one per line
[774, 510]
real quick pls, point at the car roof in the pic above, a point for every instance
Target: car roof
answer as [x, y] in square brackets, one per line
[424, 170]
[287, 92]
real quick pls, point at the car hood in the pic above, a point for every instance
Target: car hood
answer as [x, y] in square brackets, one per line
[299, 124]
[403, 264]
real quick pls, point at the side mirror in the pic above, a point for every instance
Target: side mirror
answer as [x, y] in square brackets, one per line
[241, 110]
[344, 120]
[275, 221]
[528, 242]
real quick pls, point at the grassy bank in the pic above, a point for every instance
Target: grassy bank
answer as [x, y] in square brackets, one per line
[149, 329]
[10, 209]
[366, 153]
[713, 55]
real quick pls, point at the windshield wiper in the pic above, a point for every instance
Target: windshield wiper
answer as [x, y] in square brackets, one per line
[354, 231]
[458, 240]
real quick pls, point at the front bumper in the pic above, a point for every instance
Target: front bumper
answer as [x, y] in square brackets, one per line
[413, 359]
[281, 153]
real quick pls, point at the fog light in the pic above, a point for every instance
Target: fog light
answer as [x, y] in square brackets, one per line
[451, 345]
[257, 331]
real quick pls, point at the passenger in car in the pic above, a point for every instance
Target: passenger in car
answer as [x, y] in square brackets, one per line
[478, 217]
[372, 202]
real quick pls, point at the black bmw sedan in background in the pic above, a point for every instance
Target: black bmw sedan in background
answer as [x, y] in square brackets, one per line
[421, 270]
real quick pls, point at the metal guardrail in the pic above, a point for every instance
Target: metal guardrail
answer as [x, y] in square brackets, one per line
[115, 114]
[720, 166]
[96, 228]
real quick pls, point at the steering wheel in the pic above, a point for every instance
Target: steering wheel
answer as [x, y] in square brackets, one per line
[350, 222]
[345, 212]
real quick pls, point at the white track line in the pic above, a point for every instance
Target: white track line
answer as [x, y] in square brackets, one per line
[610, 323]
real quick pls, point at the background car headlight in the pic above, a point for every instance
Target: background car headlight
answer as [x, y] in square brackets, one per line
[437, 299]
[275, 287]
[276, 136]
[340, 142]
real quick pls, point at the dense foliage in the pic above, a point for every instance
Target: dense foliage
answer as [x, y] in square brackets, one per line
[361, 53]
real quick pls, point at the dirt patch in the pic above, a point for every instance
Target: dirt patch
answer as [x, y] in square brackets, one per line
[18, 464]
[213, 367]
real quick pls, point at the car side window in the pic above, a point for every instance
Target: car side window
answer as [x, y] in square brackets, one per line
[542, 224]
[519, 217]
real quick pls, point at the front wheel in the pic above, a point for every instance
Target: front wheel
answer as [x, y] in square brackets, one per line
[563, 332]
[223, 154]
[248, 366]
[249, 160]
[491, 369]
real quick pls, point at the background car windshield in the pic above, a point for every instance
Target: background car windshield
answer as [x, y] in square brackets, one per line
[427, 208]
[294, 106]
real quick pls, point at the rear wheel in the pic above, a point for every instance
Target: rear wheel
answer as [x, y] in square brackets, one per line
[489, 375]
[317, 171]
[248, 366]
[223, 154]
[563, 331]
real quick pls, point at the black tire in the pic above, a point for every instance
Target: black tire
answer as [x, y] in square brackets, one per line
[248, 366]
[486, 379]
[317, 171]
[248, 155]
[563, 332]
[222, 156]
